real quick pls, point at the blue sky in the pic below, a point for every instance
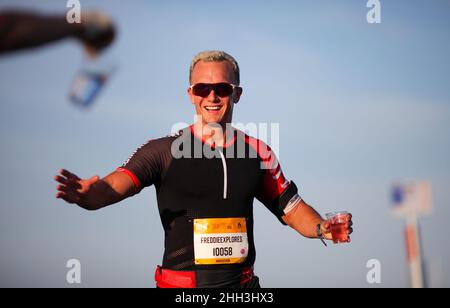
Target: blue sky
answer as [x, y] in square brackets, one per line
[360, 106]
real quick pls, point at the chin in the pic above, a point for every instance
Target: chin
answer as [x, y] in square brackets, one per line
[209, 120]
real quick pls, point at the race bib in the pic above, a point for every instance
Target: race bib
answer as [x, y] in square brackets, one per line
[220, 240]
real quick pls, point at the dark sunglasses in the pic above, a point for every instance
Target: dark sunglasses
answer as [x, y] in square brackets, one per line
[222, 89]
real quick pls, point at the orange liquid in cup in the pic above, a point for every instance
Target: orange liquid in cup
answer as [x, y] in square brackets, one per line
[339, 233]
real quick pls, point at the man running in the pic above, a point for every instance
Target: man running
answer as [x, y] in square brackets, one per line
[206, 178]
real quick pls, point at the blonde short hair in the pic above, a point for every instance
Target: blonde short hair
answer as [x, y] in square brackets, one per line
[215, 56]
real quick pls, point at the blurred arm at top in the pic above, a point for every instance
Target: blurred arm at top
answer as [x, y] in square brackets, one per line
[20, 30]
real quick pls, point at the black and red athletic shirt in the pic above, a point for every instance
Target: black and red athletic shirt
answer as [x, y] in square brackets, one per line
[199, 186]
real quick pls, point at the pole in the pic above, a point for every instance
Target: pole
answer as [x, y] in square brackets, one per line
[414, 251]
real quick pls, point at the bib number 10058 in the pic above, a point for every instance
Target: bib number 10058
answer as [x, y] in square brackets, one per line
[220, 240]
[222, 251]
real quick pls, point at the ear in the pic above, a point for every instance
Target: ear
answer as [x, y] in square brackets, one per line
[191, 96]
[237, 94]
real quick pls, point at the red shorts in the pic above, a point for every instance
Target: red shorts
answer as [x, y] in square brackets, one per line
[166, 278]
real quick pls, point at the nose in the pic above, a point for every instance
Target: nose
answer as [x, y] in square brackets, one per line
[212, 97]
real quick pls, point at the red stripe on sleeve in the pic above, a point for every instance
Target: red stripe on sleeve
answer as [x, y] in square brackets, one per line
[274, 182]
[136, 182]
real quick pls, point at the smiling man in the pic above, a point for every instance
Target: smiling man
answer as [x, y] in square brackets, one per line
[214, 88]
[205, 201]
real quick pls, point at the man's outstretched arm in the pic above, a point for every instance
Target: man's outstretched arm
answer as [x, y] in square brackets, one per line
[20, 30]
[94, 193]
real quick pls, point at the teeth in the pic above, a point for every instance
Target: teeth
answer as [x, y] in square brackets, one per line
[212, 107]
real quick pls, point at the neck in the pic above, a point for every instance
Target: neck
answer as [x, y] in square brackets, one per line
[212, 133]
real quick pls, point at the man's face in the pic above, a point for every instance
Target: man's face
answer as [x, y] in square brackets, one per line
[213, 108]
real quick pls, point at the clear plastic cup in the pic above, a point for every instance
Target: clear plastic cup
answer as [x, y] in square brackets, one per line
[338, 230]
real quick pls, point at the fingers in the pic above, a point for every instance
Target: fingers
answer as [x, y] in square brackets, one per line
[65, 198]
[73, 184]
[69, 174]
[325, 227]
[67, 182]
[64, 189]
[62, 195]
[68, 196]
[68, 191]
[60, 179]
[349, 226]
[68, 179]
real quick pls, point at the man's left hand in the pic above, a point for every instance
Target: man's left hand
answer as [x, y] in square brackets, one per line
[325, 227]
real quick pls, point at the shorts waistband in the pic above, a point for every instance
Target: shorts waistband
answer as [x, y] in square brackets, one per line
[166, 278]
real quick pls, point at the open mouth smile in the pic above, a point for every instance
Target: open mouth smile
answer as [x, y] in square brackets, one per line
[213, 108]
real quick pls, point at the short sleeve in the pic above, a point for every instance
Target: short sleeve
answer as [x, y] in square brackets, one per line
[275, 191]
[147, 164]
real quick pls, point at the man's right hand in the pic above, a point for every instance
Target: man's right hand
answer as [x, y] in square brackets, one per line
[98, 31]
[93, 193]
[72, 189]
